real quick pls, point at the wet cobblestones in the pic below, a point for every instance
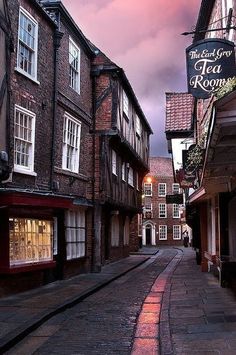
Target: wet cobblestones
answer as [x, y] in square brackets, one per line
[105, 322]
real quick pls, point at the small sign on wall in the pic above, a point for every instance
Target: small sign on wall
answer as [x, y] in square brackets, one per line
[210, 65]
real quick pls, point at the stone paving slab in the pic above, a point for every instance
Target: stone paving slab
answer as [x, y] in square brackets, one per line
[202, 315]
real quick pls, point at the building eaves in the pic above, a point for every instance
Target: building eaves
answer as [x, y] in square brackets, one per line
[58, 5]
[38, 4]
[203, 19]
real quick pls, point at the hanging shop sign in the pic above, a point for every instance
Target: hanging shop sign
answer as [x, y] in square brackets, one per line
[184, 182]
[210, 65]
[193, 159]
[175, 198]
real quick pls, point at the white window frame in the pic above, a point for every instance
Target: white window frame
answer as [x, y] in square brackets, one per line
[123, 171]
[162, 210]
[125, 104]
[138, 125]
[75, 231]
[131, 177]
[175, 188]
[126, 230]
[114, 162]
[137, 181]
[176, 210]
[162, 232]
[148, 189]
[177, 232]
[148, 207]
[24, 140]
[74, 63]
[115, 230]
[162, 189]
[71, 143]
[147, 210]
[29, 48]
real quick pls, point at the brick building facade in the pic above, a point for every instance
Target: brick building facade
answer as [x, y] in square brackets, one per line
[75, 182]
[163, 223]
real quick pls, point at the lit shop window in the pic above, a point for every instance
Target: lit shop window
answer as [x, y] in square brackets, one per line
[30, 240]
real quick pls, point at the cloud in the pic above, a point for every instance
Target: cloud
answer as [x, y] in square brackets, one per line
[144, 38]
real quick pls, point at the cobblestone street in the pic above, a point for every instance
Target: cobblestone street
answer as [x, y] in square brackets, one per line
[163, 305]
[103, 323]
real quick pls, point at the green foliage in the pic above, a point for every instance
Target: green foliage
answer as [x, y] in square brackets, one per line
[226, 89]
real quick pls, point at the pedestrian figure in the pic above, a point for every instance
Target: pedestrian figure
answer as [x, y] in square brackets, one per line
[185, 238]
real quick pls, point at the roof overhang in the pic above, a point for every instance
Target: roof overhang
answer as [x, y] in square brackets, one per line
[219, 172]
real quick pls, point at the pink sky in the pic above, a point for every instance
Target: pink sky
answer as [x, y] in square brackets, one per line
[144, 38]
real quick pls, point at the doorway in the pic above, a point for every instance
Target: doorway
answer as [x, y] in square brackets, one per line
[148, 234]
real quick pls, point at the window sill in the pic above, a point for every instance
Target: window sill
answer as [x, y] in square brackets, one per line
[22, 72]
[27, 267]
[70, 173]
[80, 258]
[25, 172]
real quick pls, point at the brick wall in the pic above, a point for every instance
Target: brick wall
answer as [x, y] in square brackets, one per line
[34, 97]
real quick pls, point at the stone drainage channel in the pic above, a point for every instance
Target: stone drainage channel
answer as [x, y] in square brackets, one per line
[152, 334]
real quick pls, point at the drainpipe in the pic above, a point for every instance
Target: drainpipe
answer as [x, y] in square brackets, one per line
[96, 214]
[57, 42]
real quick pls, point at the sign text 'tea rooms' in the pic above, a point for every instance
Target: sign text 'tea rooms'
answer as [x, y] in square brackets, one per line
[210, 64]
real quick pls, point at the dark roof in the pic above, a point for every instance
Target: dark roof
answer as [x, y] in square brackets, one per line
[179, 112]
[160, 166]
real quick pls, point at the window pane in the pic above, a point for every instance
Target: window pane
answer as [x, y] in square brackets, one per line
[24, 142]
[30, 240]
[74, 62]
[27, 46]
[71, 144]
[75, 234]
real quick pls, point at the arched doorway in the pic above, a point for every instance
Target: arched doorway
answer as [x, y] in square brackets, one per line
[148, 234]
